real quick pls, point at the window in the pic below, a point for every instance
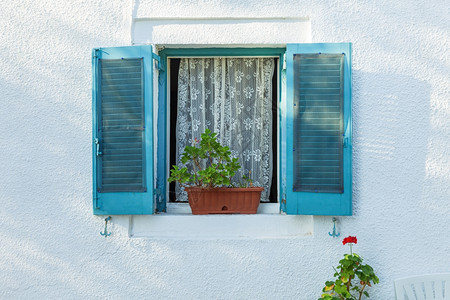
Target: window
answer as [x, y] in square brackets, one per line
[310, 129]
[235, 97]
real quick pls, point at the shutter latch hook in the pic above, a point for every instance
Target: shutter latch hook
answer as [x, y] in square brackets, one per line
[97, 144]
[334, 234]
[105, 232]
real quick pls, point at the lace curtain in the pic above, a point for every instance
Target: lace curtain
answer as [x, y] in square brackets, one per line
[233, 98]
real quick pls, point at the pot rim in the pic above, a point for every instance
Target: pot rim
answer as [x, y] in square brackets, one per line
[225, 189]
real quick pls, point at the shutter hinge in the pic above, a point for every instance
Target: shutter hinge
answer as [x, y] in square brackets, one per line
[283, 197]
[96, 203]
[345, 142]
[283, 203]
[157, 199]
[284, 61]
[158, 195]
[97, 50]
[158, 60]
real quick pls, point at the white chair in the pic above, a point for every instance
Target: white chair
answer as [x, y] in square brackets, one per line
[424, 287]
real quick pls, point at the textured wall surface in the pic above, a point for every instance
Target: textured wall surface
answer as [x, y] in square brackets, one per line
[49, 239]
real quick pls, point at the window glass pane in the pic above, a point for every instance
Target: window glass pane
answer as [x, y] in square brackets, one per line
[318, 122]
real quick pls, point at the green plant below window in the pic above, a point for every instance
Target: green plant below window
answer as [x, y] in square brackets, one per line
[352, 277]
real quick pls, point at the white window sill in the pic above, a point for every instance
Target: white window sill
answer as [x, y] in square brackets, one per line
[179, 223]
[184, 208]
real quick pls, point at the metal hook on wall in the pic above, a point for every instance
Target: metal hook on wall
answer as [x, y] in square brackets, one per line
[105, 232]
[334, 234]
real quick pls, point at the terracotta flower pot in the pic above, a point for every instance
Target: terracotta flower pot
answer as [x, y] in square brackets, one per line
[224, 200]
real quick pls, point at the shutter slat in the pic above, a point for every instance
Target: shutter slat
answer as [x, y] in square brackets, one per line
[131, 101]
[120, 77]
[132, 86]
[124, 175]
[315, 68]
[122, 122]
[122, 64]
[135, 181]
[124, 115]
[120, 139]
[320, 92]
[119, 168]
[122, 158]
[314, 60]
[121, 93]
[117, 163]
[325, 84]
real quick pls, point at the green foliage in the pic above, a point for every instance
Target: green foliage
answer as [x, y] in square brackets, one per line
[352, 278]
[209, 163]
[246, 180]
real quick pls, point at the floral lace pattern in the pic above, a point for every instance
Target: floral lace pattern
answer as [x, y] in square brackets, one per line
[232, 97]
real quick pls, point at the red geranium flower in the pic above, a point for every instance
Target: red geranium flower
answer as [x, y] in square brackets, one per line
[350, 239]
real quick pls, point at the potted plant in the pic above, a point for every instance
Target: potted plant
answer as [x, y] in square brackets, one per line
[352, 277]
[207, 179]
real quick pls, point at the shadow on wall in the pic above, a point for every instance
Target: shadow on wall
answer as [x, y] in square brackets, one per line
[391, 123]
[391, 145]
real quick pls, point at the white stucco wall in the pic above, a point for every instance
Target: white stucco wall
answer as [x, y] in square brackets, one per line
[49, 239]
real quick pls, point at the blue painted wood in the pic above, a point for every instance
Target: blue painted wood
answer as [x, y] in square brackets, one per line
[303, 192]
[161, 162]
[123, 124]
[205, 52]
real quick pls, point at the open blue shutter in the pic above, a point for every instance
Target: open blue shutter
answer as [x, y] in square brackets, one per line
[123, 130]
[318, 129]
